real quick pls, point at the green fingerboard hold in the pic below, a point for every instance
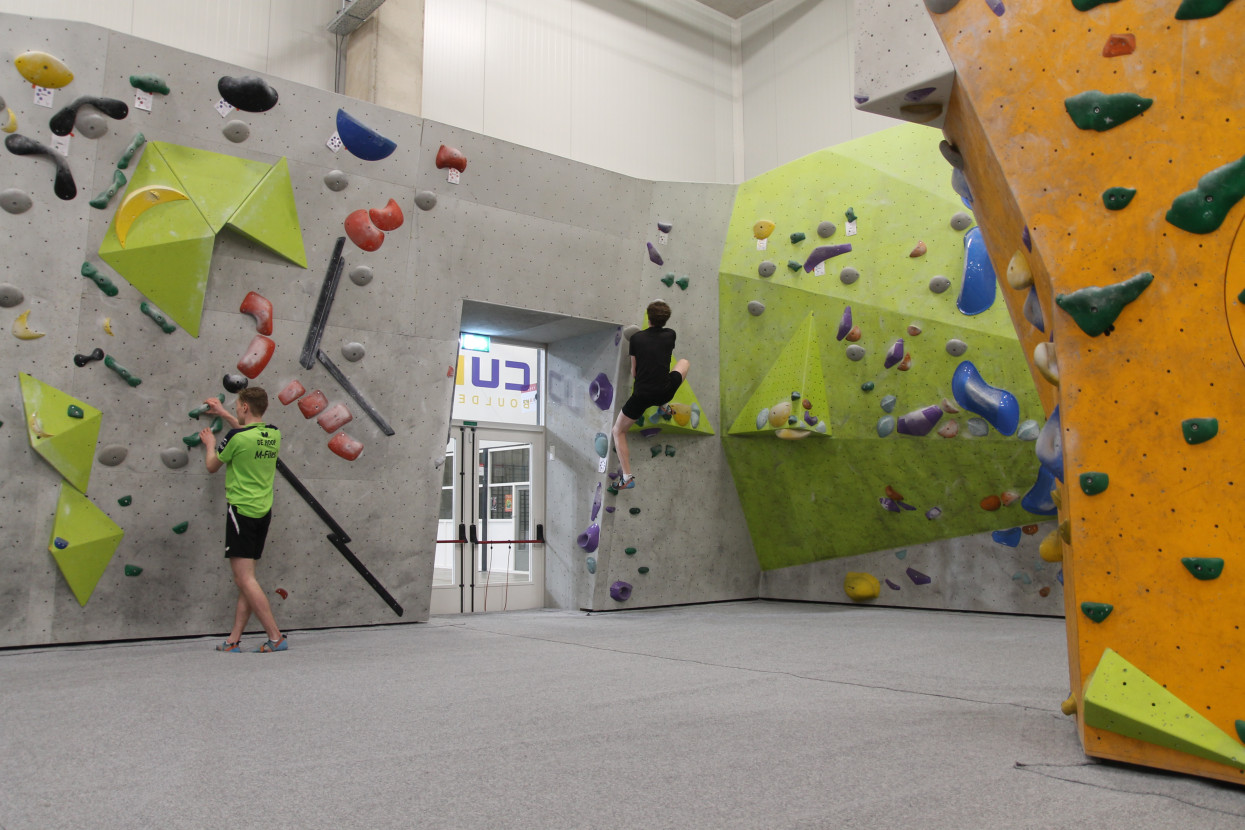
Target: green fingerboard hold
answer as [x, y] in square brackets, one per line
[1199, 430]
[635, 511]
[668, 280]
[630, 551]
[1199, 9]
[1203, 209]
[75, 411]
[1095, 308]
[181, 528]
[1118, 198]
[1094, 483]
[128, 155]
[161, 321]
[129, 378]
[1097, 611]
[1101, 111]
[106, 285]
[1203, 567]
[125, 501]
[133, 570]
[101, 201]
[150, 83]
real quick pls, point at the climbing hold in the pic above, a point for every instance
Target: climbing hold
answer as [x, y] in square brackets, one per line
[756, 308]
[388, 218]
[954, 158]
[665, 227]
[1094, 483]
[1028, 430]
[257, 355]
[933, 513]
[451, 157]
[139, 201]
[1033, 310]
[138, 141]
[1118, 198]
[635, 511]
[292, 392]
[1097, 611]
[643, 569]
[181, 527]
[826, 229]
[1198, 9]
[591, 564]
[848, 276]
[977, 427]
[105, 284]
[919, 422]
[762, 229]
[668, 280]
[824, 252]
[237, 132]
[362, 231]
[767, 268]
[887, 403]
[60, 543]
[1049, 447]
[1051, 548]
[950, 429]
[845, 324]
[1008, 497]
[653, 255]
[590, 538]
[939, 284]
[867, 386]
[855, 352]
[234, 383]
[797, 237]
[425, 200]
[998, 406]
[22, 330]
[336, 181]
[960, 185]
[313, 404]
[922, 113]
[670, 451]
[886, 425]
[894, 354]
[629, 551]
[133, 570]
[1010, 537]
[125, 501]
[1095, 308]
[780, 414]
[353, 352]
[948, 407]
[343, 446]
[334, 418]
[361, 274]
[1018, 274]
[978, 286]
[41, 69]
[1046, 362]
[1086, 5]
[15, 201]
[63, 122]
[248, 93]
[961, 221]
[9, 119]
[861, 586]
[281, 592]
[850, 213]
[601, 391]
[682, 283]
[941, 6]
[918, 578]
[1203, 567]
[174, 458]
[956, 347]
[90, 125]
[1199, 430]
[655, 450]
[102, 200]
[260, 308]
[1203, 209]
[112, 455]
[200, 411]
[62, 184]
[918, 251]
[150, 83]
[620, 591]
[1100, 111]
[991, 503]
[75, 411]
[160, 320]
[906, 363]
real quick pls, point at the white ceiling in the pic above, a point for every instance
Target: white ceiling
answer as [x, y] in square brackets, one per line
[734, 9]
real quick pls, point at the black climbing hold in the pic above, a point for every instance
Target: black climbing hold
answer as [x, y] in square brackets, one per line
[249, 93]
[62, 123]
[81, 360]
[635, 511]
[234, 382]
[63, 185]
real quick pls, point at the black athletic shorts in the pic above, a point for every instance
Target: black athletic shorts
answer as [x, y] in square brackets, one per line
[244, 536]
[642, 399]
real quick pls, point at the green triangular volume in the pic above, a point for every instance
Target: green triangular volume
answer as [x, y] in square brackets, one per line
[67, 443]
[216, 183]
[83, 542]
[269, 216]
[796, 372]
[687, 408]
[1121, 698]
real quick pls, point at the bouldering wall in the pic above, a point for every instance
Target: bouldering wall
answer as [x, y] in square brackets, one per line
[1100, 143]
[875, 397]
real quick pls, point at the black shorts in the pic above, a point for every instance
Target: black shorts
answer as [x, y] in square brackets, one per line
[642, 399]
[244, 536]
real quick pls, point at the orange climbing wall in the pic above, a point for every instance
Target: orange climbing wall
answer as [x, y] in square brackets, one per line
[1172, 354]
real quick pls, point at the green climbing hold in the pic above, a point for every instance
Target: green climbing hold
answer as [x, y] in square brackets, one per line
[1240, 298]
[1095, 308]
[655, 450]
[1240, 730]
[200, 411]
[75, 411]
[101, 201]
[150, 83]
[635, 511]
[792, 265]
[192, 440]
[133, 570]
[670, 450]
[111, 363]
[124, 161]
[1097, 611]
[1199, 430]
[612, 490]
[867, 386]
[850, 213]
[1204, 208]
[629, 551]
[106, 285]
[1086, 5]
[1101, 111]
[643, 569]
[181, 528]
[797, 237]
[1118, 198]
[1203, 567]
[1199, 9]
[125, 501]
[668, 280]
[1094, 483]
[161, 321]
[218, 424]
[682, 283]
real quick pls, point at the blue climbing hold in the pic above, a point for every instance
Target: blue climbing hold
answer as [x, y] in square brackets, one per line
[977, 289]
[1011, 537]
[60, 543]
[998, 406]
[1049, 446]
[361, 140]
[960, 185]
[1038, 500]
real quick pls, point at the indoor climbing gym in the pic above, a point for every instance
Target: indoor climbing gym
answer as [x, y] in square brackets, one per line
[622, 413]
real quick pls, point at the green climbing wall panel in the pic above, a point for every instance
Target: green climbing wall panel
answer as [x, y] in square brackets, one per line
[90, 539]
[67, 443]
[795, 375]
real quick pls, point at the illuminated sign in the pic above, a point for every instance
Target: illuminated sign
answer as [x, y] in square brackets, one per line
[498, 386]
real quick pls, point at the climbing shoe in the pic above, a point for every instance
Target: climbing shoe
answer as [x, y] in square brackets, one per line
[269, 645]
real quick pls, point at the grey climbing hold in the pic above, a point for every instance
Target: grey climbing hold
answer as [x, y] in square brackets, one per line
[978, 427]
[826, 229]
[10, 295]
[629, 330]
[762, 418]
[755, 307]
[236, 131]
[848, 276]
[591, 564]
[90, 124]
[951, 154]
[361, 274]
[961, 221]
[15, 201]
[940, 6]
[1028, 430]
[175, 458]
[955, 347]
[425, 200]
[855, 352]
[887, 403]
[335, 180]
[767, 268]
[665, 227]
[353, 351]
[601, 443]
[112, 455]
[939, 284]
[886, 425]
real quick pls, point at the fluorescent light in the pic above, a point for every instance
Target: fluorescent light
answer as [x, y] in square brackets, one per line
[474, 342]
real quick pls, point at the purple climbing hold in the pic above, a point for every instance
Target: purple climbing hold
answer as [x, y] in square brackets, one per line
[918, 578]
[1033, 310]
[596, 503]
[601, 391]
[665, 227]
[919, 422]
[933, 513]
[894, 354]
[609, 508]
[845, 324]
[920, 94]
[620, 591]
[650, 431]
[997, 406]
[1011, 537]
[996, 6]
[590, 538]
[861, 99]
[1025, 238]
[889, 504]
[891, 585]
[823, 252]
[653, 255]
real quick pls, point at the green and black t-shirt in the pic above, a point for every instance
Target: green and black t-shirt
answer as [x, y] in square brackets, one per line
[250, 455]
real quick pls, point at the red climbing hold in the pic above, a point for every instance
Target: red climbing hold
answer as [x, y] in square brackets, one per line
[257, 356]
[451, 157]
[388, 218]
[335, 418]
[260, 308]
[284, 594]
[292, 392]
[313, 404]
[1119, 45]
[362, 232]
[344, 446]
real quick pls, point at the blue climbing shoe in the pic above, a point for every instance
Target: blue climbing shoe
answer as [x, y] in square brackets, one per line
[270, 646]
[232, 648]
[626, 483]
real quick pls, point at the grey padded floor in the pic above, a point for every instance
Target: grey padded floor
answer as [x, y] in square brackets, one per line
[740, 715]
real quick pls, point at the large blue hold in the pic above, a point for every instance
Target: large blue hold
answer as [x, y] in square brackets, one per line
[1011, 537]
[1049, 446]
[361, 140]
[978, 287]
[998, 406]
[1039, 500]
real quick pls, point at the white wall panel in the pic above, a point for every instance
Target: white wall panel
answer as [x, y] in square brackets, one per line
[454, 47]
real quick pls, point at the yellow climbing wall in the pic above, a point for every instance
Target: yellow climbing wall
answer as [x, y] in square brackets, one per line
[1173, 353]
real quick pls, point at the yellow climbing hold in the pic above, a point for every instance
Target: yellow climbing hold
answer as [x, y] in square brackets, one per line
[682, 413]
[1018, 274]
[139, 201]
[1046, 363]
[1068, 707]
[22, 330]
[10, 123]
[780, 414]
[1051, 549]
[792, 434]
[861, 586]
[108, 326]
[41, 69]
[36, 427]
[762, 229]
